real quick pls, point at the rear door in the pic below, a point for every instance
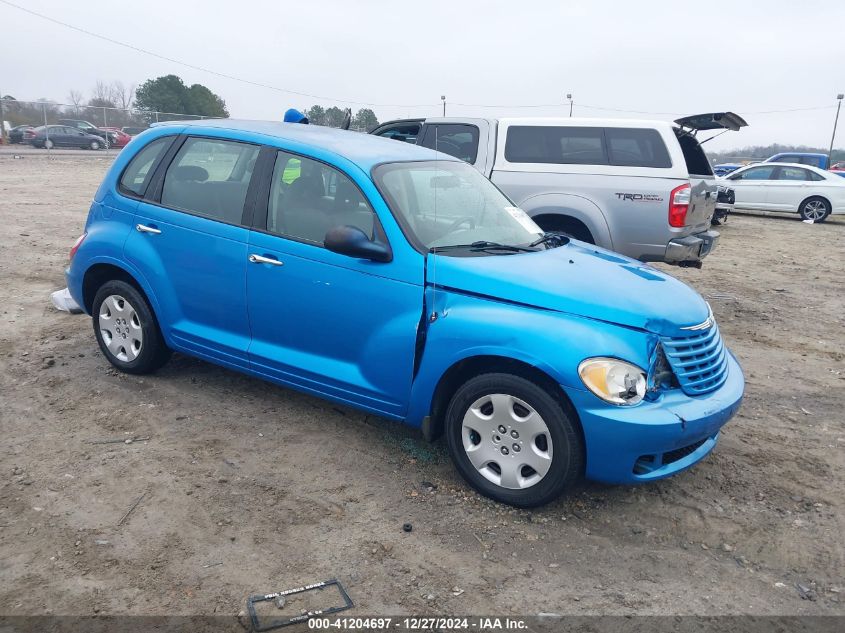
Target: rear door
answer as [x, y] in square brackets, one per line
[751, 186]
[789, 187]
[190, 243]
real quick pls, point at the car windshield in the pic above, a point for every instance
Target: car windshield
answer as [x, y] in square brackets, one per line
[449, 205]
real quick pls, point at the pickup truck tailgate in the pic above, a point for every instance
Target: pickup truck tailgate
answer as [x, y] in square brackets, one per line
[702, 205]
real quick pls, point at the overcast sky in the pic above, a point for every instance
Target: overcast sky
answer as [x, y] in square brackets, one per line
[668, 57]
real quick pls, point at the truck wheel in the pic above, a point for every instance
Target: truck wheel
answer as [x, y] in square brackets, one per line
[512, 441]
[126, 329]
[816, 209]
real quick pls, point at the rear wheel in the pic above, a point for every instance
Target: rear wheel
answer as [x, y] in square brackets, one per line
[95, 145]
[815, 209]
[126, 329]
[512, 441]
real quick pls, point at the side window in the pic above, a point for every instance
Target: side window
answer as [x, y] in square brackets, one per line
[406, 132]
[815, 161]
[561, 145]
[210, 177]
[636, 147]
[140, 169]
[458, 140]
[814, 176]
[307, 198]
[793, 173]
[758, 173]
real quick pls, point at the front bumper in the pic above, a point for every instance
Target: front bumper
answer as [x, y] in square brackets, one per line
[653, 440]
[692, 248]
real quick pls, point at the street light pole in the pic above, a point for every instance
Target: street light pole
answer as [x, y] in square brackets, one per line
[569, 96]
[835, 121]
[443, 99]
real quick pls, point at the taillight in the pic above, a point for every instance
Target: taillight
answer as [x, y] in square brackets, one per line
[76, 246]
[679, 205]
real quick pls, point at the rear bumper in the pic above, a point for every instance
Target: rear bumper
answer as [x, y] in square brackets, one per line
[692, 248]
[653, 440]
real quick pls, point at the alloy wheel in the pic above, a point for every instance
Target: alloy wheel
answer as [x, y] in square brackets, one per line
[507, 441]
[815, 210]
[120, 328]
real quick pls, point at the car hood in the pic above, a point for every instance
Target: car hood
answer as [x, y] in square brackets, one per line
[579, 279]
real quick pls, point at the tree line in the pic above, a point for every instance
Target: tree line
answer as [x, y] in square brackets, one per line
[363, 121]
[762, 152]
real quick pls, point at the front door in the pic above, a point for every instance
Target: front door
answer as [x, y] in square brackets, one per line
[752, 185]
[333, 325]
[191, 245]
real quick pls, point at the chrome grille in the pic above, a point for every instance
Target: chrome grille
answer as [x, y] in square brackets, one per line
[699, 360]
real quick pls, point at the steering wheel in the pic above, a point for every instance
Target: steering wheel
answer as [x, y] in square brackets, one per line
[467, 218]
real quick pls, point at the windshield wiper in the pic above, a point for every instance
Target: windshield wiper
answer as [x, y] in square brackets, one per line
[549, 239]
[484, 245]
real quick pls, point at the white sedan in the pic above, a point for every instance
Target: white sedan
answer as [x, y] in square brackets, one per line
[812, 192]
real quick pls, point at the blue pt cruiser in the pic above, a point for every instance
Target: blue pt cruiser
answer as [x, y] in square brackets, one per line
[398, 280]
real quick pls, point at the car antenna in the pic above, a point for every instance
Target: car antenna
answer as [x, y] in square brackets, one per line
[433, 251]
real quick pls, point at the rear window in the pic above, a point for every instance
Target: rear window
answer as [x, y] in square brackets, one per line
[140, 169]
[694, 156]
[458, 140]
[627, 147]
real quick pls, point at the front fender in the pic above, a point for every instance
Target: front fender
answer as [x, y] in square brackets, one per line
[555, 343]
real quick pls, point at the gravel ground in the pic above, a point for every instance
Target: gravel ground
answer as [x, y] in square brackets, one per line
[247, 487]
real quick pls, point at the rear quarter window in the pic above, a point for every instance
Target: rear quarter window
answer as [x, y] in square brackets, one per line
[139, 171]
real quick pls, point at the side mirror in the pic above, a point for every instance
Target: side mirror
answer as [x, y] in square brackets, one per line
[353, 242]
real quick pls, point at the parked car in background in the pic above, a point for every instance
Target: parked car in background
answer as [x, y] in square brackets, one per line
[119, 139]
[723, 169]
[132, 131]
[63, 136]
[90, 128]
[803, 158]
[541, 359]
[641, 188]
[812, 192]
[16, 134]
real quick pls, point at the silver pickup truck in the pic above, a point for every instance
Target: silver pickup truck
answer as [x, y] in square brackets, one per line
[641, 188]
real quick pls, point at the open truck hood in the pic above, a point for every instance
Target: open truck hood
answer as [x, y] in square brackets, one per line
[582, 280]
[712, 121]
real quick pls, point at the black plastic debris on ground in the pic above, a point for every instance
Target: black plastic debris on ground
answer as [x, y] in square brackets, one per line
[268, 623]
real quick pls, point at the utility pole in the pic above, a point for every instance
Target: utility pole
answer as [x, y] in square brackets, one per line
[2, 121]
[835, 121]
[569, 96]
[443, 99]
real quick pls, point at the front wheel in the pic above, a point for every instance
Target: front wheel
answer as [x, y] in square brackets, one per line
[126, 329]
[814, 209]
[48, 144]
[95, 145]
[512, 440]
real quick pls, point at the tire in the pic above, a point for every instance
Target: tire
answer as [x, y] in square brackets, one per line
[48, 144]
[95, 145]
[127, 330]
[538, 432]
[815, 208]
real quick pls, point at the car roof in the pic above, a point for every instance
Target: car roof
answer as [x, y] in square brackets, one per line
[813, 168]
[585, 122]
[364, 150]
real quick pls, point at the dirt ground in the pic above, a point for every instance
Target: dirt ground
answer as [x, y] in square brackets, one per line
[246, 487]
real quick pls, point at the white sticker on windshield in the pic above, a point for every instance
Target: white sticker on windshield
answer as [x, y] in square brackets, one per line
[524, 220]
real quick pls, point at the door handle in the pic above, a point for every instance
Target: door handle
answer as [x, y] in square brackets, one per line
[141, 228]
[258, 259]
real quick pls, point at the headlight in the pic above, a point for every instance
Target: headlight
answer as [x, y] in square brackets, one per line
[613, 380]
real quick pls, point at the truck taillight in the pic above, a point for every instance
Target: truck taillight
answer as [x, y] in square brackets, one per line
[76, 246]
[679, 201]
